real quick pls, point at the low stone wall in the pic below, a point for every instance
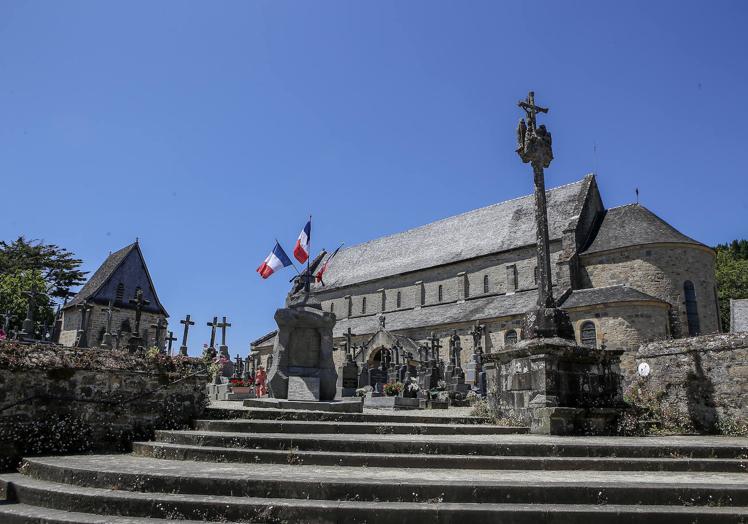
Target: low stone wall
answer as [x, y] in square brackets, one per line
[64, 400]
[705, 378]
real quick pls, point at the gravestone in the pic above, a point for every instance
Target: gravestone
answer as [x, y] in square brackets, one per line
[378, 377]
[363, 376]
[349, 373]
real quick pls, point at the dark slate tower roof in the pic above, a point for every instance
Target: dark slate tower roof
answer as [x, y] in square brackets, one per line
[633, 225]
[493, 229]
[126, 266]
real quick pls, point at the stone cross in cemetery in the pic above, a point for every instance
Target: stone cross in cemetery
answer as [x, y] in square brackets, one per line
[171, 338]
[237, 366]
[187, 323]
[8, 317]
[27, 328]
[224, 349]
[81, 339]
[159, 327]
[435, 346]
[106, 343]
[136, 341]
[534, 147]
[213, 325]
[348, 342]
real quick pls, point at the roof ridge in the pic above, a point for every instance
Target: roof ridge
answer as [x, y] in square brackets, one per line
[580, 181]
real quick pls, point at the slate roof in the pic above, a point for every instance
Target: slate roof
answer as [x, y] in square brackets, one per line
[104, 273]
[499, 227]
[264, 338]
[606, 295]
[470, 310]
[632, 225]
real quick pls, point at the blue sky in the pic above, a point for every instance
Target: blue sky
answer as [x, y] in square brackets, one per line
[207, 129]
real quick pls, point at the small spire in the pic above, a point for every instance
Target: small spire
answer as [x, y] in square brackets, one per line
[137, 240]
[637, 195]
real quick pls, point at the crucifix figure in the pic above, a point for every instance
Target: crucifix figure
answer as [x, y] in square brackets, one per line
[348, 342]
[106, 343]
[171, 338]
[139, 302]
[81, 339]
[535, 147]
[213, 325]
[159, 327]
[224, 349]
[187, 323]
[435, 346]
[477, 334]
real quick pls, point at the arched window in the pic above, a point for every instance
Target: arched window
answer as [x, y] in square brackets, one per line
[441, 294]
[399, 300]
[120, 292]
[332, 307]
[510, 338]
[485, 283]
[535, 274]
[692, 310]
[363, 306]
[588, 334]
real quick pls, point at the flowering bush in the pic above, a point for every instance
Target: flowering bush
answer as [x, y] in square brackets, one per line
[393, 389]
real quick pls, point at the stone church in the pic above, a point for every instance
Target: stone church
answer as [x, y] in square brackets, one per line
[118, 279]
[624, 275]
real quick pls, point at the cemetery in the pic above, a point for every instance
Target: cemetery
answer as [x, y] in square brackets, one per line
[104, 419]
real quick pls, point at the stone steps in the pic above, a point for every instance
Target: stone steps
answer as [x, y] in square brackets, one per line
[322, 416]
[357, 428]
[41, 500]
[484, 445]
[130, 473]
[284, 466]
[163, 450]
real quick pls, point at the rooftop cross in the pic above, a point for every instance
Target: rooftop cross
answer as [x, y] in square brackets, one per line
[187, 323]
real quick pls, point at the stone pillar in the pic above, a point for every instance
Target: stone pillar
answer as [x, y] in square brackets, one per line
[463, 290]
[418, 293]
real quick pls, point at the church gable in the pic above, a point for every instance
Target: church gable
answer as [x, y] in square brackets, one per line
[118, 278]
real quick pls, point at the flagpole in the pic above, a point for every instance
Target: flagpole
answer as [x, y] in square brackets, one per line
[309, 258]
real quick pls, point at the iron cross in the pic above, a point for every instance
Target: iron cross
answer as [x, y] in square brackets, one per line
[223, 325]
[531, 109]
[171, 338]
[213, 325]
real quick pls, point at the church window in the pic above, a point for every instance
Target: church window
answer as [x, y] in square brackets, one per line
[120, 292]
[692, 310]
[399, 300]
[588, 334]
[535, 275]
[440, 293]
[510, 337]
[511, 278]
[363, 306]
[332, 307]
[384, 301]
[485, 283]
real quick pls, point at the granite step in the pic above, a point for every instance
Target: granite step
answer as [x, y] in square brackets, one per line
[332, 483]
[486, 445]
[163, 450]
[322, 416]
[39, 501]
[26, 514]
[336, 427]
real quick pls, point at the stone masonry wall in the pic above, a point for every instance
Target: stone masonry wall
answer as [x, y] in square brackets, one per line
[705, 377]
[624, 325]
[660, 271]
[54, 400]
[97, 323]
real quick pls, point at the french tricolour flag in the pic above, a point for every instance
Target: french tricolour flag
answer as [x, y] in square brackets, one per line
[277, 259]
[301, 251]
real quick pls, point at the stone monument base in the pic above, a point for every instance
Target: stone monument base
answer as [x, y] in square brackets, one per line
[555, 386]
[391, 403]
[547, 322]
[333, 406]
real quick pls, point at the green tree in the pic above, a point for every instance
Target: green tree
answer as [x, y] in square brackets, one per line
[30, 265]
[732, 276]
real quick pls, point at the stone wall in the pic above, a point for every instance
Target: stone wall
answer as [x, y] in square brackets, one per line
[661, 270]
[705, 377]
[624, 325]
[97, 325]
[57, 400]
